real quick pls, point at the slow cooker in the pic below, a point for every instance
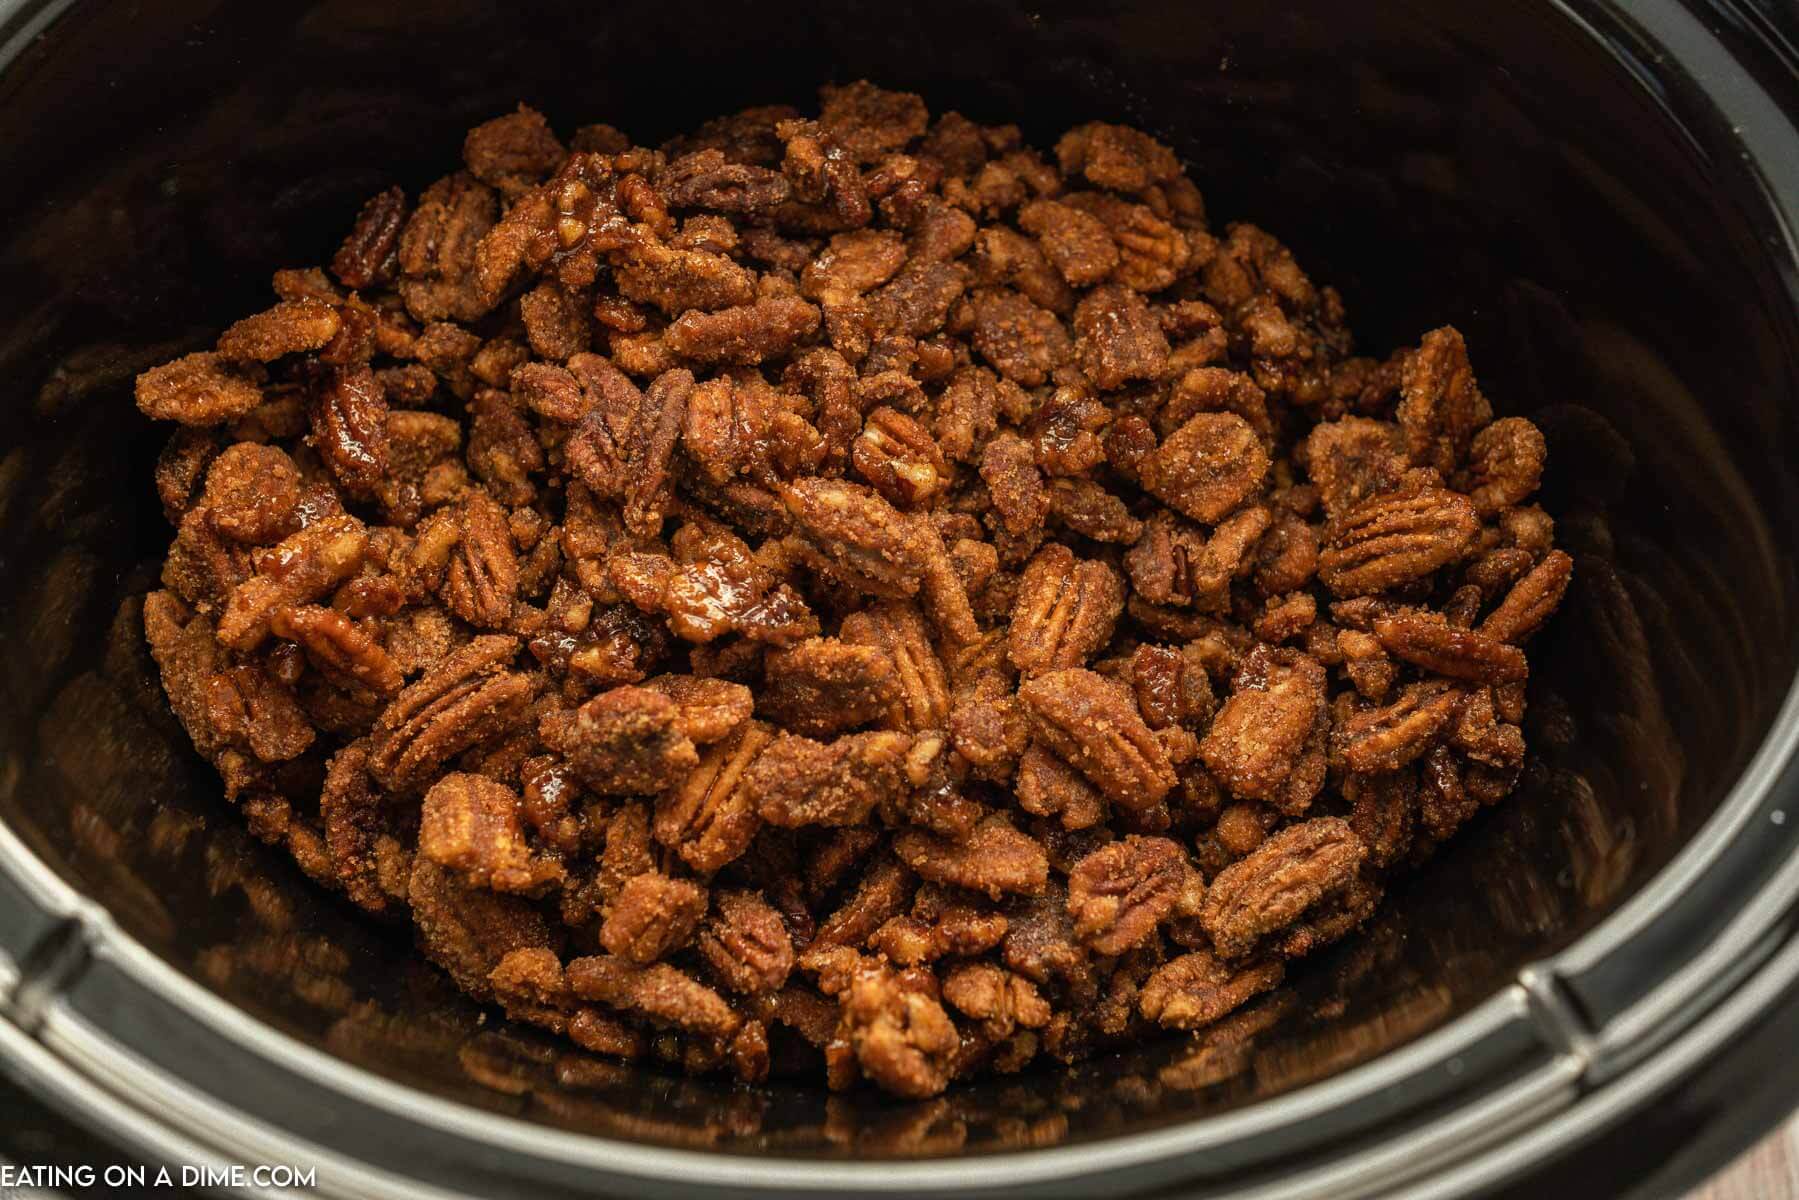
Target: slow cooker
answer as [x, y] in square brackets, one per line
[1596, 986]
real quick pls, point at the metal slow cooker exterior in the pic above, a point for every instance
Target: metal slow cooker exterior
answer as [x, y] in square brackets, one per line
[1618, 1056]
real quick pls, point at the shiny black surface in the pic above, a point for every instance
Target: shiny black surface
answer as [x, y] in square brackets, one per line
[1486, 164]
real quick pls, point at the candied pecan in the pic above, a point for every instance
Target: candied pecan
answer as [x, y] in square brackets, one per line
[879, 550]
[710, 816]
[853, 263]
[356, 834]
[624, 742]
[1065, 611]
[1118, 894]
[648, 450]
[1009, 468]
[1505, 464]
[181, 470]
[1117, 338]
[1273, 887]
[187, 655]
[746, 334]
[1208, 467]
[471, 825]
[349, 428]
[246, 707]
[1171, 564]
[512, 152]
[344, 651]
[1440, 405]
[902, 1038]
[1393, 539]
[297, 570]
[922, 698]
[1214, 389]
[717, 588]
[659, 992]
[1430, 642]
[679, 281]
[1024, 342]
[1001, 1001]
[1387, 738]
[468, 931]
[745, 943]
[482, 580]
[1094, 726]
[652, 916]
[1171, 686]
[1258, 744]
[995, 858]
[823, 686]
[1005, 257]
[1197, 989]
[437, 250]
[1353, 459]
[1117, 157]
[198, 389]
[1531, 600]
[708, 710]
[1076, 242]
[989, 728]
[726, 428]
[1091, 511]
[1152, 253]
[556, 321]
[1040, 942]
[917, 301]
[883, 892]
[1383, 812]
[797, 781]
[869, 121]
[899, 459]
[468, 697]
[370, 254]
[708, 179]
[291, 327]
[253, 493]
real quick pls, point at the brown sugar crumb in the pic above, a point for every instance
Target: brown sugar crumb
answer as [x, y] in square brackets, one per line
[852, 590]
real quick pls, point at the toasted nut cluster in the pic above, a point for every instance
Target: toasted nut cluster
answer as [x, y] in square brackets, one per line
[849, 594]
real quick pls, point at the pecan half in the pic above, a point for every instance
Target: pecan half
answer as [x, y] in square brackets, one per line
[1279, 882]
[340, 648]
[1118, 894]
[652, 916]
[1430, 642]
[1387, 738]
[1196, 989]
[1208, 467]
[1393, 539]
[464, 700]
[1093, 724]
[746, 944]
[797, 781]
[710, 817]
[1258, 744]
[899, 459]
[1065, 611]
[471, 825]
[482, 579]
[625, 742]
[995, 859]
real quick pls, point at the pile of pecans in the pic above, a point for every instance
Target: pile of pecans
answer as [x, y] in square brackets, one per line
[850, 590]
